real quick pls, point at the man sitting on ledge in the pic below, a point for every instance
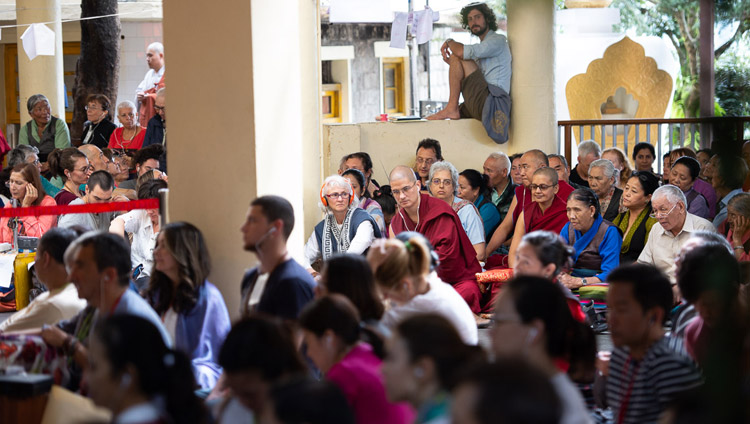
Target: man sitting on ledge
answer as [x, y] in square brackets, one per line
[491, 56]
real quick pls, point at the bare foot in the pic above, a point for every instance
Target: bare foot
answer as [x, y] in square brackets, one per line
[447, 113]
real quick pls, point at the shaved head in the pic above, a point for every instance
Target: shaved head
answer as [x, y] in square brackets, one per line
[402, 172]
[539, 156]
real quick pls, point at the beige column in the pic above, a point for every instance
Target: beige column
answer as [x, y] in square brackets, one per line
[532, 44]
[242, 101]
[44, 74]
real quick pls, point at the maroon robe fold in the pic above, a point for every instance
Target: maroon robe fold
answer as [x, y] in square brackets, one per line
[553, 219]
[525, 198]
[458, 259]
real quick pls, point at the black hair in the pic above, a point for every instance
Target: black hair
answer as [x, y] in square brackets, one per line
[185, 242]
[535, 298]
[385, 199]
[651, 288]
[692, 164]
[332, 312]
[666, 155]
[431, 143]
[489, 16]
[132, 341]
[261, 344]
[549, 248]
[350, 275]
[512, 391]
[60, 160]
[432, 336]
[643, 145]
[709, 267]
[55, 241]
[587, 196]
[276, 207]
[150, 189]
[153, 151]
[19, 153]
[364, 157]
[707, 151]
[308, 401]
[733, 171]
[514, 157]
[649, 182]
[101, 179]
[476, 180]
[110, 250]
[359, 176]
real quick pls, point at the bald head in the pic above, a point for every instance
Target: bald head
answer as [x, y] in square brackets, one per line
[95, 156]
[539, 156]
[402, 172]
[529, 163]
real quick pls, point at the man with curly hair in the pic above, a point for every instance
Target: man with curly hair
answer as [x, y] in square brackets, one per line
[491, 56]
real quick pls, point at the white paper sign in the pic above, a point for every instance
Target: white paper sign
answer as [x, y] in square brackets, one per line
[398, 30]
[6, 269]
[38, 40]
[423, 23]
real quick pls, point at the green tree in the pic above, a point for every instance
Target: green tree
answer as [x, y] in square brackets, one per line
[679, 21]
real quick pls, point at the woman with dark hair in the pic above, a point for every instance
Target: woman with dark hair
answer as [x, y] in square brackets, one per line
[72, 166]
[192, 309]
[308, 401]
[99, 126]
[387, 203]
[636, 222]
[738, 223]
[143, 224]
[544, 254]
[26, 190]
[704, 157]
[332, 335]
[683, 174]
[597, 245]
[358, 182]
[43, 131]
[533, 321]
[136, 376]
[702, 187]
[644, 156]
[402, 273]
[424, 357]
[351, 276]
[472, 187]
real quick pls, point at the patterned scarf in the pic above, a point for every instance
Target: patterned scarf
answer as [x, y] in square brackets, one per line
[331, 231]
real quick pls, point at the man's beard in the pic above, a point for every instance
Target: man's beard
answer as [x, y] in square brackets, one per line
[481, 30]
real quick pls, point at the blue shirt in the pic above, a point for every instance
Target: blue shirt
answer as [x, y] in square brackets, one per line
[609, 249]
[490, 216]
[493, 58]
[721, 215]
[471, 221]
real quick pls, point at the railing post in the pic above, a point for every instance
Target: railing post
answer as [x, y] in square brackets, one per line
[568, 143]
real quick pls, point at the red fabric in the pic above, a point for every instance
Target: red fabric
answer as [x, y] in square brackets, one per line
[33, 226]
[496, 261]
[146, 110]
[575, 309]
[441, 226]
[469, 291]
[553, 219]
[116, 141]
[524, 197]
[87, 208]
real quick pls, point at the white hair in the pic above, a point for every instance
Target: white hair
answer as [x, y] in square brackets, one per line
[672, 193]
[335, 181]
[126, 104]
[162, 92]
[502, 158]
[444, 166]
[156, 46]
[606, 165]
[587, 147]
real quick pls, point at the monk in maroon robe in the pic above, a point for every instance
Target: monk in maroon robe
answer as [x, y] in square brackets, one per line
[436, 220]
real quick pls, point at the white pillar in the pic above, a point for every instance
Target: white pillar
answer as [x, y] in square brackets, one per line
[44, 74]
[532, 44]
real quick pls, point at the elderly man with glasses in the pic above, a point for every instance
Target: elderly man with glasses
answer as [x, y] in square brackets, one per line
[437, 221]
[676, 225]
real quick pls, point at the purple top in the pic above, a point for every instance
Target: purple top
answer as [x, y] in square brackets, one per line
[708, 192]
[358, 376]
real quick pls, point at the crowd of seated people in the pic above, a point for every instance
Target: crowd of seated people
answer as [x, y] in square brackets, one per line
[385, 305]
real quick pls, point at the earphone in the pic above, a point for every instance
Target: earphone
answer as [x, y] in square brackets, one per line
[531, 335]
[324, 200]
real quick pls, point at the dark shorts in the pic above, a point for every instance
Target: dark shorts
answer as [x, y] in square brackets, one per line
[475, 91]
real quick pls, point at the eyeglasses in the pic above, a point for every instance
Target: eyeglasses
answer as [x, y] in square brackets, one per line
[658, 214]
[543, 187]
[406, 188]
[15, 183]
[127, 115]
[439, 182]
[426, 161]
[35, 162]
[159, 108]
[337, 195]
[92, 108]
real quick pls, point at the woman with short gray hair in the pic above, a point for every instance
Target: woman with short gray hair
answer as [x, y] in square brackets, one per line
[128, 137]
[603, 181]
[442, 183]
[738, 222]
[43, 131]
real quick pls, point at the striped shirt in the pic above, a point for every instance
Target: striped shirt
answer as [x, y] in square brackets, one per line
[645, 388]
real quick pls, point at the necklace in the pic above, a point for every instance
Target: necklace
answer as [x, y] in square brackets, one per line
[122, 143]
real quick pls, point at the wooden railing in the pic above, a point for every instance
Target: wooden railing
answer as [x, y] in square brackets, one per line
[664, 134]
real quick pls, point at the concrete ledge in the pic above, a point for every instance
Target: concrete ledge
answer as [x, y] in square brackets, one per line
[465, 143]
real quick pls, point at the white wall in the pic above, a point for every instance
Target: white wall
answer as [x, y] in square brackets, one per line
[133, 67]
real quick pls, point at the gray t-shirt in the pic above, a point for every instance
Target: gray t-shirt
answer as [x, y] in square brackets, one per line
[493, 58]
[91, 221]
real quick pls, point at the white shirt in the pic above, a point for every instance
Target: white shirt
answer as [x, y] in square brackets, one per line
[573, 409]
[139, 224]
[441, 299]
[662, 247]
[150, 80]
[170, 322]
[363, 238]
[471, 221]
